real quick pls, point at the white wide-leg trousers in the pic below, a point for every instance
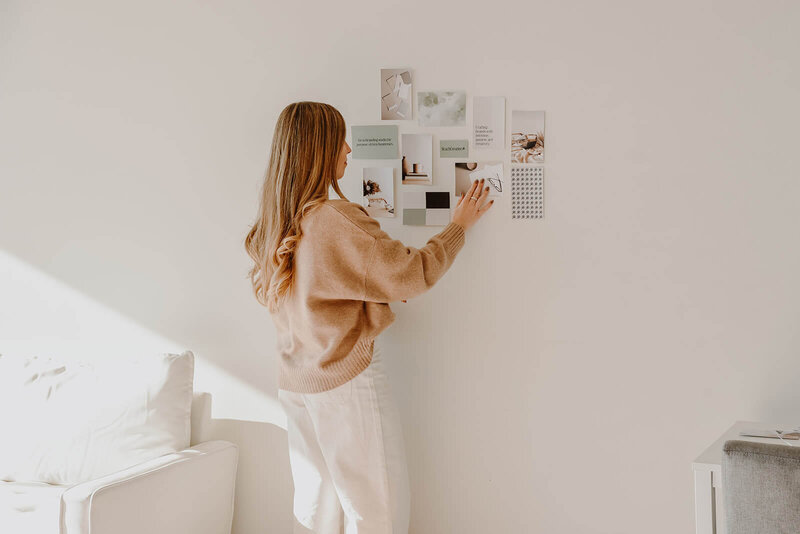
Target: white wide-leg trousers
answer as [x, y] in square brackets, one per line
[347, 456]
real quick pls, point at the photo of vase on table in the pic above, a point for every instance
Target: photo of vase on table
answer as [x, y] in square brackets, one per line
[417, 160]
[378, 191]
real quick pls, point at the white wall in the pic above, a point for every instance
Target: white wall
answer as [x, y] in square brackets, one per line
[565, 372]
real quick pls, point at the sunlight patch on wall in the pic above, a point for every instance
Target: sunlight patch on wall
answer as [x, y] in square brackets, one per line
[42, 316]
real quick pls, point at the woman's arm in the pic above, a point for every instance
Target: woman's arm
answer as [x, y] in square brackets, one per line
[395, 271]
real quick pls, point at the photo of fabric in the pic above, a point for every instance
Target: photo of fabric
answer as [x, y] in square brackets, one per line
[527, 136]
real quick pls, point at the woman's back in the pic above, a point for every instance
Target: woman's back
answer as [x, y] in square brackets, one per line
[346, 270]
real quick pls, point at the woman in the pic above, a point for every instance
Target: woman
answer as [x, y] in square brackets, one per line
[327, 272]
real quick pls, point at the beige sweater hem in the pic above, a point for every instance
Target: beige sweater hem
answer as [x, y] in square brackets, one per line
[334, 374]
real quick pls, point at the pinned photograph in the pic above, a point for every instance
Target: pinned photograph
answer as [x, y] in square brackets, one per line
[396, 91]
[491, 172]
[443, 108]
[378, 197]
[527, 136]
[417, 162]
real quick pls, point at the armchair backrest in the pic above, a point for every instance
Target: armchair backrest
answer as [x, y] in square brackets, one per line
[761, 487]
[65, 421]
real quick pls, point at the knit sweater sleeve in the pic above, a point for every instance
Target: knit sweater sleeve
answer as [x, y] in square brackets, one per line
[395, 271]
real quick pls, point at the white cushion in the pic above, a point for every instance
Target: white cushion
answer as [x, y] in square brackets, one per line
[29, 507]
[65, 421]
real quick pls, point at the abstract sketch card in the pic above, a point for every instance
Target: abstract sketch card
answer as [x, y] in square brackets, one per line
[489, 122]
[378, 194]
[417, 162]
[491, 172]
[527, 136]
[396, 91]
[443, 108]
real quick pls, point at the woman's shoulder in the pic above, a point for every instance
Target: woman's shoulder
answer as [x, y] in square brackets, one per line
[329, 208]
[345, 206]
[353, 212]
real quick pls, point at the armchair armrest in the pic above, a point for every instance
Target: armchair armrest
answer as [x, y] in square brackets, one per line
[190, 491]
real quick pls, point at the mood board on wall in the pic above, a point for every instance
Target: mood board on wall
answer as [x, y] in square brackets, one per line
[412, 154]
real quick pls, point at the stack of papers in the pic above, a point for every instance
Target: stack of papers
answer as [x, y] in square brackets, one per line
[772, 433]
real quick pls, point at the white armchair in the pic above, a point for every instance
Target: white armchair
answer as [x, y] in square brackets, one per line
[188, 491]
[129, 468]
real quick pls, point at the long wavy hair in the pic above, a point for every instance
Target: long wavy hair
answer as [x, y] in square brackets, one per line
[303, 163]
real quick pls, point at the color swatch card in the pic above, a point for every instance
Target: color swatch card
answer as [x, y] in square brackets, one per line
[489, 122]
[527, 192]
[426, 208]
[375, 142]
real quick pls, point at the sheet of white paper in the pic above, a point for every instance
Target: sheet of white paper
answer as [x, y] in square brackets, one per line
[497, 169]
[481, 174]
[404, 90]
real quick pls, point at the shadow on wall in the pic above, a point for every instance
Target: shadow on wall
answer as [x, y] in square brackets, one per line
[263, 480]
[264, 488]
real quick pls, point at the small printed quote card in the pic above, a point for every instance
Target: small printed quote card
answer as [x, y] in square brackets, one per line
[453, 148]
[375, 142]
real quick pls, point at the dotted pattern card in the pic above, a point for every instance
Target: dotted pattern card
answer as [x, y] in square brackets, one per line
[527, 192]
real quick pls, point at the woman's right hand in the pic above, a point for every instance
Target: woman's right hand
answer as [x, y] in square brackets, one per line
[469, 210]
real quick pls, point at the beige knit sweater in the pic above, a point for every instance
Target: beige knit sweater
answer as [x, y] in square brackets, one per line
[346, 271]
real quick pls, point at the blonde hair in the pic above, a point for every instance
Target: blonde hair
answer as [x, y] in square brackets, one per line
[303, 164]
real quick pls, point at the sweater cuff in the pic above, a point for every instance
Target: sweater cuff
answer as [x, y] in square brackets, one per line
[453, 237]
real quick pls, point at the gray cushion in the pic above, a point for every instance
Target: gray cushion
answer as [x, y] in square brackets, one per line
[761, 487]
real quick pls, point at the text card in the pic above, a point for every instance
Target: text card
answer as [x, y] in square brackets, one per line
[489, 120]
[453, 148]
[375, 142]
